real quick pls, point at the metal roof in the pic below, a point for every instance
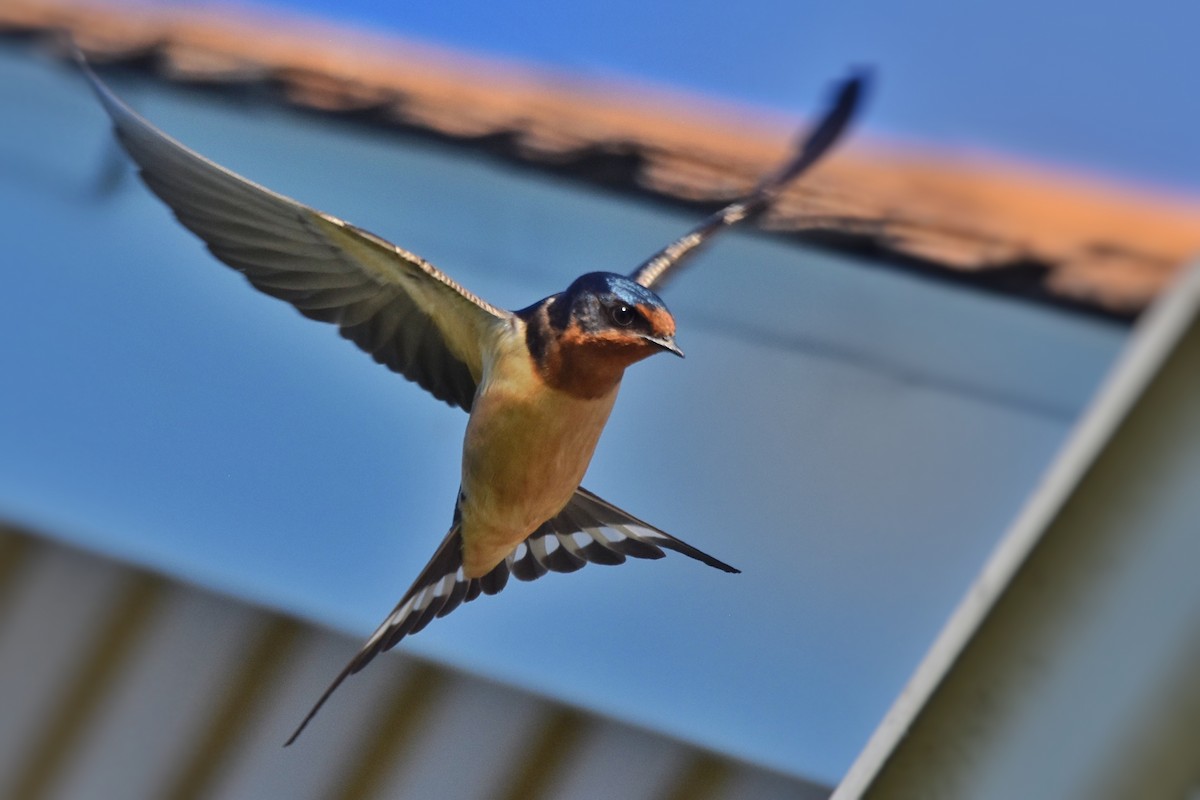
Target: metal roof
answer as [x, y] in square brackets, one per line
[149, 688]
[1069, 668]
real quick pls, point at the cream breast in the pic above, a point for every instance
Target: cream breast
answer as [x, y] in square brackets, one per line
[526, 450]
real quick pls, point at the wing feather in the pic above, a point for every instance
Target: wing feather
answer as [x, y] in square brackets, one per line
[402, 310]
[660, 267]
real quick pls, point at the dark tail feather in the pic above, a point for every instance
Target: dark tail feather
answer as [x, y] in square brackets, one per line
[595, 510]
[345, 673]
[445, 561]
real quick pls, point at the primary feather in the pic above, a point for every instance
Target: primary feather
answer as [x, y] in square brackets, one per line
[655, 271]
[398, 307]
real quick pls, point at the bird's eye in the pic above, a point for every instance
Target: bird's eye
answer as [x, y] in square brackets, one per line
[622, 315]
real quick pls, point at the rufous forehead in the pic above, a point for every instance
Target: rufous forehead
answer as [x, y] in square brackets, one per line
[661, 321]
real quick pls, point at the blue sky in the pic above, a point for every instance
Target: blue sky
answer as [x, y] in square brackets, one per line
[1094, 86]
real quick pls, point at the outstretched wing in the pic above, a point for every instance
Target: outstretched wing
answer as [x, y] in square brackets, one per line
[399, 308]
[588, 529]
[659, 268]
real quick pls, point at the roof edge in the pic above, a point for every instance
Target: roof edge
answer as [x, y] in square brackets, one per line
[1073, 241]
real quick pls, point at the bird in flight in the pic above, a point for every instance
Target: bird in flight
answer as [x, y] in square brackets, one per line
[538, 384]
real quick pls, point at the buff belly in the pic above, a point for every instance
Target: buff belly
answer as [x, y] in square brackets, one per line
[526, 450]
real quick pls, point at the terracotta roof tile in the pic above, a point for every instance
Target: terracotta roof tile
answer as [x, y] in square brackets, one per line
[1069, 239]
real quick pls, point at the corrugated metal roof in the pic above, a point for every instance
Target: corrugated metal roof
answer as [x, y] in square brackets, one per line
[1068, 668]
[1066, 239]
[121, 683]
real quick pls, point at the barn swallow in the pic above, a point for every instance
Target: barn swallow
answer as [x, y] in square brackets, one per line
[538, 383]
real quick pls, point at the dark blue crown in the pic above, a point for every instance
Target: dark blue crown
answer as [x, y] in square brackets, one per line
[605, 285]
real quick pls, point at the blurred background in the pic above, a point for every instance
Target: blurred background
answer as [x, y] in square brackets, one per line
[1084, 86]
[1076, 85]
[210, 500]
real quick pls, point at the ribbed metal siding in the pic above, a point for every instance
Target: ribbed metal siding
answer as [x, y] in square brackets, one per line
[121, 684]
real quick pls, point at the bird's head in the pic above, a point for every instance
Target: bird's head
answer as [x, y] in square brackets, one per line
[615, 315]
[583, 338]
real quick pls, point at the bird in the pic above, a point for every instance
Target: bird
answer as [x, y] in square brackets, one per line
[537, 383]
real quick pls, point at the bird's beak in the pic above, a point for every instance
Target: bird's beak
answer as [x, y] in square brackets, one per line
[666, 343]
